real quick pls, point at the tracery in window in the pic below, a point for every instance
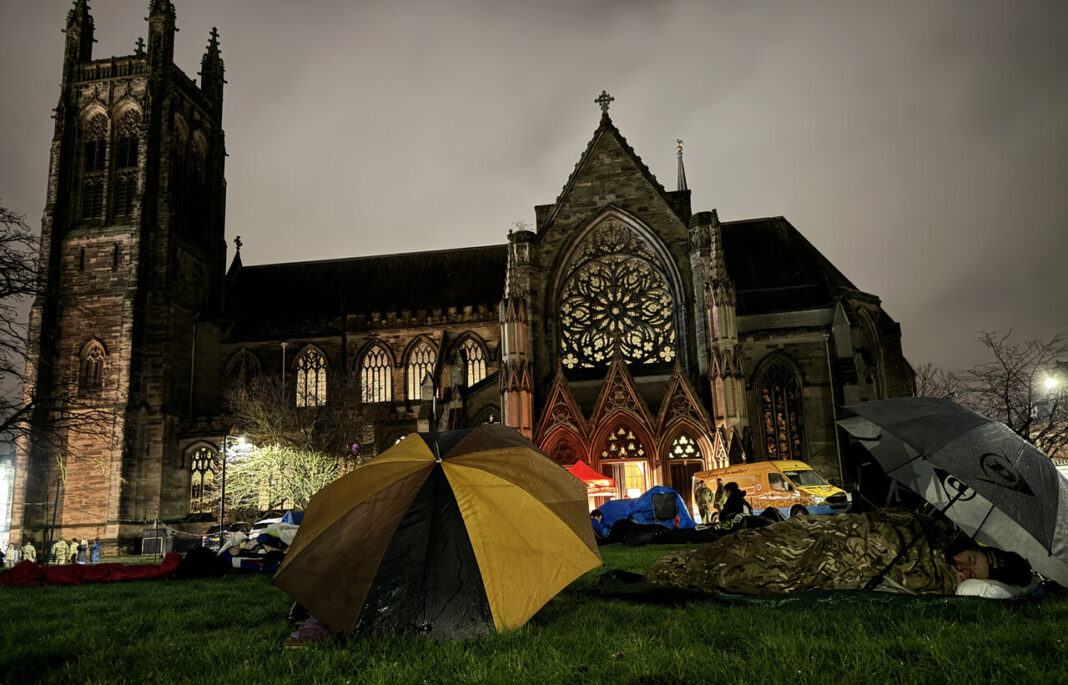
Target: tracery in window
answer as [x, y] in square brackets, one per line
[94, 166]
[684, 447]
[129, 139]
[202, 474]
[420, 363]
[616, 299]
[376, 376]
[781, 412]
[311, 379]
[91, 374]
[621, 443]
[474, 359]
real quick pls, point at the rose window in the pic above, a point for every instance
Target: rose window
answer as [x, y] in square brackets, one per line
[616, 300]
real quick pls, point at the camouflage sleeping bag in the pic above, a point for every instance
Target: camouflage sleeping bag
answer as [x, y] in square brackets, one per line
[837, 552]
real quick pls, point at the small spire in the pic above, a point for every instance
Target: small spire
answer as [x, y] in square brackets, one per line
[604, 99]
[139, 47]
[157, 7]
[79, 13]
[682, 169]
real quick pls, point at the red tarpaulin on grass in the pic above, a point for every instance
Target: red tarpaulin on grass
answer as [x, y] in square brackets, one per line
[596, 484]
[29, 574]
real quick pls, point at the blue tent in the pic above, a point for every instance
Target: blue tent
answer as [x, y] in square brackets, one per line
[644, 509]
[293, 516]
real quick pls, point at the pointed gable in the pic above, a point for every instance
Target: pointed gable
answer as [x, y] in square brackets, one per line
[618, 394]
[610, 172]
[560, 410]
[680, 403]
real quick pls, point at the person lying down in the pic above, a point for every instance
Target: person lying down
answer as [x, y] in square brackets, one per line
[841, 552]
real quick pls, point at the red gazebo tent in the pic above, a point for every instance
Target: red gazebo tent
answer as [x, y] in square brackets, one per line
[596, 484]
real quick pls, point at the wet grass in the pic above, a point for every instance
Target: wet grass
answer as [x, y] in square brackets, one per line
[231, 630]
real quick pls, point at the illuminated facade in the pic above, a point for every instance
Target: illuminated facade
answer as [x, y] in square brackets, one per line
[624, 330]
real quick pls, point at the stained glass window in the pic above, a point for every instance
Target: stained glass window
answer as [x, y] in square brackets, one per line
[311, 379]
[376, 376]
[616, 299]
[781, 410]
[202, 468]
[474, 361]
[684, 447]
[420, 363]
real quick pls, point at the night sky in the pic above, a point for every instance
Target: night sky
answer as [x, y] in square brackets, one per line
[921, 146]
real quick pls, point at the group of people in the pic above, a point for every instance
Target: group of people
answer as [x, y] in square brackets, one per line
[75, 551]
[727, 505]
[14, 554]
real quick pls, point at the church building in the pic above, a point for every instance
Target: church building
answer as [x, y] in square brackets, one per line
[623, 329]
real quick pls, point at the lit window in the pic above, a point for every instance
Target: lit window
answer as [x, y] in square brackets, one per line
[420, 363]
[616, 300]
[781, 412]
[202, 473]
[311, 379]
[474, 361]
[685, 447]
[376, 376]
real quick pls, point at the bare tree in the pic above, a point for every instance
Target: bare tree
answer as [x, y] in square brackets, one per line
[1012, 387]
[48, 415]
[292, 452]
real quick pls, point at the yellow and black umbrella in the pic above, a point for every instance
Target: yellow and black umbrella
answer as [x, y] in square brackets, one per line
[445, 534]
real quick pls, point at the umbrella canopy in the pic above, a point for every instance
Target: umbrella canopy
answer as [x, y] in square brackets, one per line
[994, 485]
[596, 484]
[449, 535]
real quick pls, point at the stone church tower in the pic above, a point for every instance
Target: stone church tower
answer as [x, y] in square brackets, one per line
[132, 257]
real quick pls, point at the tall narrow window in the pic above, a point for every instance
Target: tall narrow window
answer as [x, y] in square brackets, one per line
[94, 166]
[91, 376]
[376, 376]
[781, 412]
[474, 359]
[126, 154]
[202, 473]
[420, 363]
[311, 379]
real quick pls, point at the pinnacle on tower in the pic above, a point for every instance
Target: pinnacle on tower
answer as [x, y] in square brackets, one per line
[158, 7]
[682, 169]
[212, 69]
[79, 32]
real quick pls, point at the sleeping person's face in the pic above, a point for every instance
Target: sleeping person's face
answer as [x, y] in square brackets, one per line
[971, 563]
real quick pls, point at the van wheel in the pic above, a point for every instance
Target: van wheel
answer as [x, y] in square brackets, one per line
[798, 511]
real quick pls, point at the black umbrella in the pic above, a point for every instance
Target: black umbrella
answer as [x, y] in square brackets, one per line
[997, 487]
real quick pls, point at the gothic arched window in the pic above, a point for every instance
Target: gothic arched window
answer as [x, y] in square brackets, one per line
[684, 447]
[474, 359]
[615, 299]
[780, 406]
[311, 378]
[94, 166]
[241, 371]
[91, 373]
[376, 376]
[420, 363]
[202, 474]
[126, 154]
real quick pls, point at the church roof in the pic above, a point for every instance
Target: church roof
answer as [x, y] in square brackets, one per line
[307, 291]
[775, 269]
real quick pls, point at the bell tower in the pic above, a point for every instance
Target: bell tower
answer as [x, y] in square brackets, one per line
[132, 261]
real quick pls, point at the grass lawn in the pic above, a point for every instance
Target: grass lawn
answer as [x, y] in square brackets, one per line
[230, 630]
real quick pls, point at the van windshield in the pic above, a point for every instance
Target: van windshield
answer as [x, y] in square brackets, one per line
[805, 478]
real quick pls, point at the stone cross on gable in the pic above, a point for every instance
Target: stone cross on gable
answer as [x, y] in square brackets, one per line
[238, 243]
[139, 48]
[604, 99]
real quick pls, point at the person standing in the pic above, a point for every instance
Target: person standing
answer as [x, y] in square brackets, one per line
[60, 555]
[721, 496]
[94, 551]
[12, 556]
[29, 552]
[704, 502]
[83, 551]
